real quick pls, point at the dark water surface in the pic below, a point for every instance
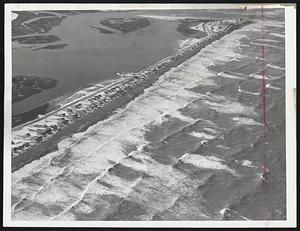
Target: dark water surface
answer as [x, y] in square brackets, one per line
[91, 56]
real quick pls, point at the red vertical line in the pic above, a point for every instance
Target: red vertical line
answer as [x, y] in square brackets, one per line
[263, 71]
[264, 91]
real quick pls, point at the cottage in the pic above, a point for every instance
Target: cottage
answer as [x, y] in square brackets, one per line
[66, 122]
[48, 131]
[39, 138]
[54, 127]
[75, 116]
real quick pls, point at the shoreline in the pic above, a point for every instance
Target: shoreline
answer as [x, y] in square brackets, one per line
[30, 115]
[54, 104]
[78, 125]
[136, 84]
[25, 86]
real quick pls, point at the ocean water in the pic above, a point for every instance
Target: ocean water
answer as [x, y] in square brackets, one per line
[191, 147]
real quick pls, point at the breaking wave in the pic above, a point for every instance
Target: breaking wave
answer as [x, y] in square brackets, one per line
[205, 162]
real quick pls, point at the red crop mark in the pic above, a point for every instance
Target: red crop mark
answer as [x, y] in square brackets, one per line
[263, 73]
[266, 170]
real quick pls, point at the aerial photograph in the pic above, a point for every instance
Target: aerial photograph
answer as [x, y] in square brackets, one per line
[148, 115]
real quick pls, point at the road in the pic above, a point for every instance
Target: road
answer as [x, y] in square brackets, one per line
[69, 104]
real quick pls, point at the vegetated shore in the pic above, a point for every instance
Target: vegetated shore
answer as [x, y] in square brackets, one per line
[125, 25]
[49, 145]
[25, 86]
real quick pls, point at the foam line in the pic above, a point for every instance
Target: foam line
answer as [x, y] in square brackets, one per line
[205, 162]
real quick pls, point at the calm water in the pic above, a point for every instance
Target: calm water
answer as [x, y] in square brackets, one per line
[91, 56]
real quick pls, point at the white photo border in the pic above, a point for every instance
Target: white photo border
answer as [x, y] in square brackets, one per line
[290, 89]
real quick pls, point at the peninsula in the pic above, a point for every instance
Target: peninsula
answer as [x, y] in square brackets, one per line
[38, 137]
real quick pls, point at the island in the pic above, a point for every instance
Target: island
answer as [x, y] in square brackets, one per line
[52, 47]
[40, 22]
[29, 22]
[37, 39]
[126, 25]
[24, 86]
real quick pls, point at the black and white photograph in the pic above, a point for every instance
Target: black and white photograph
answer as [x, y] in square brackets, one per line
[150, 113]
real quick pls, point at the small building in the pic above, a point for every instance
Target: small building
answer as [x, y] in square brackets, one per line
[75, 116]
[39, 138]
[48, 131]
[66, 122]
[54, 127]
